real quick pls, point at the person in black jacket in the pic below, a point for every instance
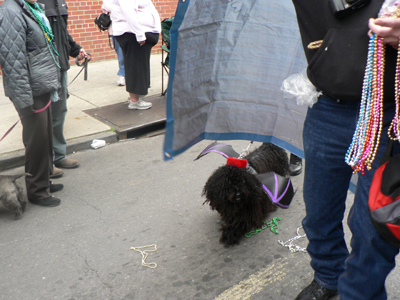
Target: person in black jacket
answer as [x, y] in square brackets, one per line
[57, 14]
[336, 51]
[25, 54]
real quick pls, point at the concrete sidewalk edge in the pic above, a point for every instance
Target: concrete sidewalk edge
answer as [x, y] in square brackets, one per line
[17, 158]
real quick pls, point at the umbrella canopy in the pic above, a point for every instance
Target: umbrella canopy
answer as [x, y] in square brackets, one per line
[228, 60]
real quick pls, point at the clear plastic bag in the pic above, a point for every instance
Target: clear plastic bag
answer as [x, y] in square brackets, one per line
[299, 86]
[390, 9]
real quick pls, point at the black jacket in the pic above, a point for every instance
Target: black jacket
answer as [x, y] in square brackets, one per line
[65, 44]
[337, 68]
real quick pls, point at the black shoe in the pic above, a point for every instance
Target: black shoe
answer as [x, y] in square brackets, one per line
[55, 187]
[295, 165]
[316, 292]
[48, 202]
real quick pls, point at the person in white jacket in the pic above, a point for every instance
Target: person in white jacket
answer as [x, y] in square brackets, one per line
[136, 27]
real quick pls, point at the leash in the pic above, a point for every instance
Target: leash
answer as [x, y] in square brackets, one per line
[273, 224]
[36, 112]
[84, 66]
[9, 130]
[289, 243]
[245, 151]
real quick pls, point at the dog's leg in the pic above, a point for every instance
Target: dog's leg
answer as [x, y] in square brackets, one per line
[22, 199]
[12, 204]
[230, 236]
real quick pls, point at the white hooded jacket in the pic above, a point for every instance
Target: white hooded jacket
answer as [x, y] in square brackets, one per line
[134, 16]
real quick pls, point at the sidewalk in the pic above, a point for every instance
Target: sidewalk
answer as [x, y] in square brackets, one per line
[98, 91]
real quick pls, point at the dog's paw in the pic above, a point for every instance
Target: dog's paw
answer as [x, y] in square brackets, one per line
[229, 237]
[18, 215]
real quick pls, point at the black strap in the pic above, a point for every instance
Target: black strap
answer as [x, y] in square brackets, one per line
[388, 152]
[109, 41]
[84, 66]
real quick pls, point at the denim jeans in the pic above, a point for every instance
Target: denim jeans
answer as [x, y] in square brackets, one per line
[58, 113]
[121, 70]
[328, 131]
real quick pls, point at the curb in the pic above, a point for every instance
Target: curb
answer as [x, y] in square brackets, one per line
[17, 158]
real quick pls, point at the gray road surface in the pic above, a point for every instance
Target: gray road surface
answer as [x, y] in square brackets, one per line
[124, 195]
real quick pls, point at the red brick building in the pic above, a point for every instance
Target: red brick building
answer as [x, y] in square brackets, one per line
[85, 32]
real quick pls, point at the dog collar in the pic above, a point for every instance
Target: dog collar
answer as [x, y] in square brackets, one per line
[236, 162]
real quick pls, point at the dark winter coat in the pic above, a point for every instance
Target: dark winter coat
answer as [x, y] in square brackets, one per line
[337, 67]
[65, 44]
[27, 61]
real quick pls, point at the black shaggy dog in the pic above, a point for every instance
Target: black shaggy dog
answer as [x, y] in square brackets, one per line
[245, 195]
[11, 194]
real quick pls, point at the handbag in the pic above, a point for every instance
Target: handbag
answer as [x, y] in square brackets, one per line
[103, 21]
[384, 197]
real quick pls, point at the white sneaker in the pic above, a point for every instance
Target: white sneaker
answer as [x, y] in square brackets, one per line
[139, 105]
[121, 81]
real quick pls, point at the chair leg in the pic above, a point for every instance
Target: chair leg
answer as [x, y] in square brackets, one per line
[166, 70]
[162, 79]
[162, 73]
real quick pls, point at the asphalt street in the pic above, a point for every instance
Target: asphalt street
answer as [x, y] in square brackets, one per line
[124, 195]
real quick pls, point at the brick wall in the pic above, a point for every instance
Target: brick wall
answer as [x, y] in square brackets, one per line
[85, 32]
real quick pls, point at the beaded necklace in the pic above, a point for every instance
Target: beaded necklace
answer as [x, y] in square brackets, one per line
[48, 33]
[394, 128]
[365, 142]
[364, 145]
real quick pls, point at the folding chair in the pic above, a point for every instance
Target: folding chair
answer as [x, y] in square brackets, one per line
[165, 47]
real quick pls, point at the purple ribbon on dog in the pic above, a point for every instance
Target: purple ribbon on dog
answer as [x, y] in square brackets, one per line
[223, 149]
[279, 189]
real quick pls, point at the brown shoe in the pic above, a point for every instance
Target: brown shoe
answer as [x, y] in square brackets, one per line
[57, 173]
[68, 163]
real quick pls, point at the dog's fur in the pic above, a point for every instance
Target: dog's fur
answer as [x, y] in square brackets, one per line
[237, 194]
[11, 194]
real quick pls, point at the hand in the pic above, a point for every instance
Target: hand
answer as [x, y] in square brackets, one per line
[387, 28]
[82, 54]
[142, 43]
[26, 111]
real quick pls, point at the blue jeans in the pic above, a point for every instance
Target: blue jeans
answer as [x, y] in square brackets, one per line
[120, 55]
[58, 113]
[328, 131]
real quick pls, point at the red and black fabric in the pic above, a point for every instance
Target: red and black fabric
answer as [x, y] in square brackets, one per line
[384, 195]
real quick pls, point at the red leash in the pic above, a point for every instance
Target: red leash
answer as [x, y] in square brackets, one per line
[36, 112]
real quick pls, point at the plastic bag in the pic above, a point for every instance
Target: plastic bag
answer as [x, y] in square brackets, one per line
[389, 9]
[299, 86]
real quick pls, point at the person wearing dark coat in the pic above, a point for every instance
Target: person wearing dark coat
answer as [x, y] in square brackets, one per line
[57, 13]
[30, 67]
